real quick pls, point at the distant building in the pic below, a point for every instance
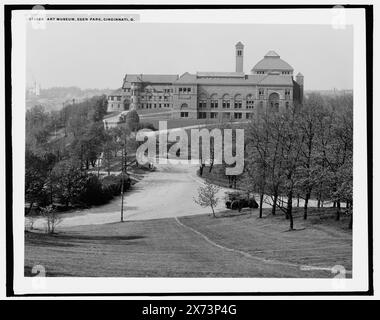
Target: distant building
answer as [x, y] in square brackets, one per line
[213, 95]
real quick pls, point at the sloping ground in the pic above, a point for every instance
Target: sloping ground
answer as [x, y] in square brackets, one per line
[319, 241]
[198, 246]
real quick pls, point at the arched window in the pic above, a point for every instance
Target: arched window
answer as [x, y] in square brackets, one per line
[237, 101]
[214, 101]
[202, 103]
[250, 101]
[226, 101]
[274, 101]
[184, 106]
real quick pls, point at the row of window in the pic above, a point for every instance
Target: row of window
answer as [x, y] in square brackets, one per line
[154, 105]
[283, 72]
[155, 98]
[225, 115]
[115, 98]
[148, 90]
[237, 104]
[184, 90]
[225, 104]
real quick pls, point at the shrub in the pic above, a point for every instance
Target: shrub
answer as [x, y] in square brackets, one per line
[93, 192]
[51, 217]
[112, 184]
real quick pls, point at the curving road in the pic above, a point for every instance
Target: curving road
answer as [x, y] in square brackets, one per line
[165, 193]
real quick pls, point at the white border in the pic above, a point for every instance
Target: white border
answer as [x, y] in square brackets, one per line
[141, 285]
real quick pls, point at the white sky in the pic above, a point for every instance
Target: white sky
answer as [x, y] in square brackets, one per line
[91, 55]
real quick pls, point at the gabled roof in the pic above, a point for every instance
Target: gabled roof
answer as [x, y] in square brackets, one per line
[187, 78]
[272, 61]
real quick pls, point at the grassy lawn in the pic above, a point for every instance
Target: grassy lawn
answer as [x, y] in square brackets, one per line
[238, 245]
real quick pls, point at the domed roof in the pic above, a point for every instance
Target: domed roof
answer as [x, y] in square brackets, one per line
[272, 61]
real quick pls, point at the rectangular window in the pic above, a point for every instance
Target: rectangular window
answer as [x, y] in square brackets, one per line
[214, 103]
[213, 115]
[202, 104]
[202, 115]
[237, 104]
[180, 89]
[238, 115]
[261, 93]
[226, 104]
[287, 94]
[250, 104]
[184, 114]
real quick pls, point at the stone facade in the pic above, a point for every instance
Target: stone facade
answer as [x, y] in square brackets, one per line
[213, 95]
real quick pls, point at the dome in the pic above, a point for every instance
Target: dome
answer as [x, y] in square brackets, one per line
[272, 61]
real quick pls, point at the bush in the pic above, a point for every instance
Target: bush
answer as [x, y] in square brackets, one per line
[112, 184]
[93, 192]
[52, 219]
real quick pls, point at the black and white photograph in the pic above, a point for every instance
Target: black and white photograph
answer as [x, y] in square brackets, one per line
[189, 150]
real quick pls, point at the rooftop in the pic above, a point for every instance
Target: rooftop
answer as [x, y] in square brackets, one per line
[272, 61]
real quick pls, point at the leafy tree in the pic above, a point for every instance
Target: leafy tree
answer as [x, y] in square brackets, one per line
[132, 120]
[69, 181]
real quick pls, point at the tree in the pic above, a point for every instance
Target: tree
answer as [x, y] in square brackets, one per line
[132, 120]
[51, 217]
[69, 181]
[257, 160]
[207, 196]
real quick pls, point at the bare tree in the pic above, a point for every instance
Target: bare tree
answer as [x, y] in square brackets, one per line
[51, 217]
[207, 196]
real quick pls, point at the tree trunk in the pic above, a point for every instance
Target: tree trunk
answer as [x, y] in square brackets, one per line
[274, 204]
[30, 207]
[337, 210]
[213, 212]
[307, 197]
[261, 205]
[289, 208]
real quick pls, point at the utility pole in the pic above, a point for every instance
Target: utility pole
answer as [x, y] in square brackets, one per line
[122, 187]
[123, 168]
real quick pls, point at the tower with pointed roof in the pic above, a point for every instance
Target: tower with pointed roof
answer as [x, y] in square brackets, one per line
[239, 51]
